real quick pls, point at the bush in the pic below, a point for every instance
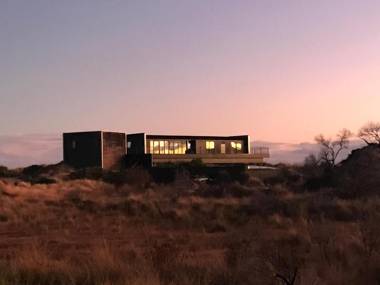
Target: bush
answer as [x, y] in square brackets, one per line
[33, 170]
[3, 171]
[87, 173]
[43, 180]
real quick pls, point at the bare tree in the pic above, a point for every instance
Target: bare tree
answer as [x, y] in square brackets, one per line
[331, 149]
[370, 133]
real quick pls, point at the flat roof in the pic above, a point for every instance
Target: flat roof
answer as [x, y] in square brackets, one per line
[179, 137]
[184, 137]
[92, 132]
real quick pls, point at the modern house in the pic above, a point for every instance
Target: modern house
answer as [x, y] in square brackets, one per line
[110, 150]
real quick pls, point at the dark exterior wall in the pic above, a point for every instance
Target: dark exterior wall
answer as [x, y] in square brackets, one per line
[114, 150]
[136, 144]
[246, 144]
[82, 149]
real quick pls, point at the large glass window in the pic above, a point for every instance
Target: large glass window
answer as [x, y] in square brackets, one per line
[167, 147]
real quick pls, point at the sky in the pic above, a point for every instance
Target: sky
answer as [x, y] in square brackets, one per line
[281, 71]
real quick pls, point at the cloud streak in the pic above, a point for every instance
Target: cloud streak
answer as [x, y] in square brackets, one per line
[24, 150]
[296, 153]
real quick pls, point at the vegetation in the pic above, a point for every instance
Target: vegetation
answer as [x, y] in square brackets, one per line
[370, 133]
[331, 149]
[309, 224]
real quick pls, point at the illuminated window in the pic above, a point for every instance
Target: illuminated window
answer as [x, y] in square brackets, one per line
[156, 147]
[151, 147]
[236, 147]
[210, 146]
[74, 144]
[176, 148]
[167, 147]
[162, 147]
[129, 144]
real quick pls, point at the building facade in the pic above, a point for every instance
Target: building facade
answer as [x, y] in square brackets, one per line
[115, 150]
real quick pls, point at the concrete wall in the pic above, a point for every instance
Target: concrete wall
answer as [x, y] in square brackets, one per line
[82, 149]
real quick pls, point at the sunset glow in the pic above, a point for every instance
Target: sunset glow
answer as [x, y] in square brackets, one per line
[278, 70]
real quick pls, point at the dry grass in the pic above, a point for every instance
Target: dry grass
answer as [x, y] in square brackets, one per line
[91, 232]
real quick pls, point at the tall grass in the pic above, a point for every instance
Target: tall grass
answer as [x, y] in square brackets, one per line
[120, 230]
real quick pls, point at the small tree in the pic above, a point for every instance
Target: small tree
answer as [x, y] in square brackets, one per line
[370, 133]
[331, 149]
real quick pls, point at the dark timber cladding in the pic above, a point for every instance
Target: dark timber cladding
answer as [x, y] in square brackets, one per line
[94, 149]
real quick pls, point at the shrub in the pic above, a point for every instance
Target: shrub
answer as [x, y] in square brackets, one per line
[87, 173]
[43, 180]
[33, 170]
[4, 172]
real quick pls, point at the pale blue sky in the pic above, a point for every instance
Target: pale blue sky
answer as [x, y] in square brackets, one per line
[278, 70]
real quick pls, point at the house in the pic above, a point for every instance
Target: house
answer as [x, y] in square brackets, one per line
[111, 150]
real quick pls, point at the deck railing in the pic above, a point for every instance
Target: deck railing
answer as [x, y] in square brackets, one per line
[261, 151]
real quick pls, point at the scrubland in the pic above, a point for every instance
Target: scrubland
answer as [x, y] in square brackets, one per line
[299, 225]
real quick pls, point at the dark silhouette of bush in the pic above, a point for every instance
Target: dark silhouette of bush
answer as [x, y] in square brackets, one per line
[163, 175]
[5, 172]
[42, 180]
[33, 170]
[87, 173]
[286, 175]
